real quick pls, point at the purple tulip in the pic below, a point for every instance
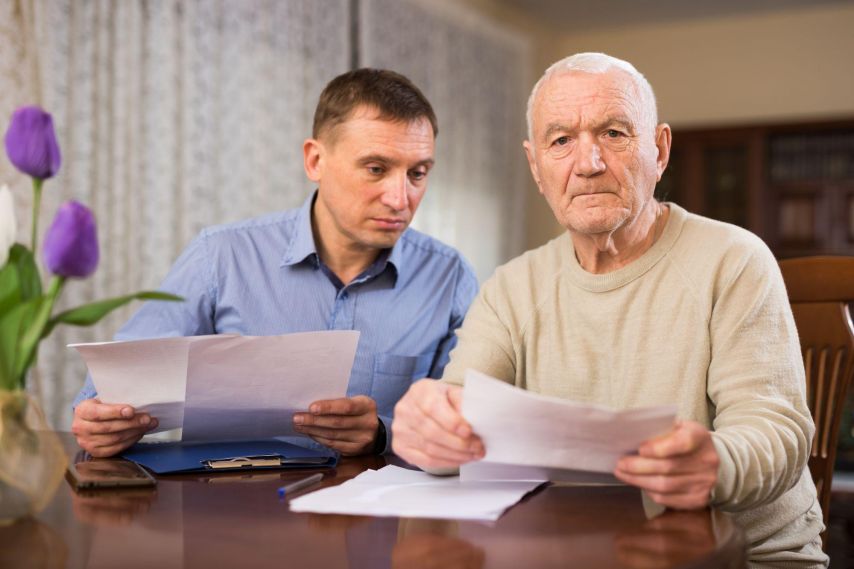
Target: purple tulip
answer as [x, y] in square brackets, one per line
[31, 143]
[71, 244]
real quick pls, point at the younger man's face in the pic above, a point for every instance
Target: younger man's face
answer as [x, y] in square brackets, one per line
[371, 174]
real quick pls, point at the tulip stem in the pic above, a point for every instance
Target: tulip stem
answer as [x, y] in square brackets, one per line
[37, 200]
[53, 290]
[28, 344]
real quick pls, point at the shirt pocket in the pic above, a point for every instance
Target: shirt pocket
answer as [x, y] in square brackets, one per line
[393, 374]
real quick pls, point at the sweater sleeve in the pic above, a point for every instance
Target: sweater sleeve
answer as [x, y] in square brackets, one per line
[762, 426]
[484, 341]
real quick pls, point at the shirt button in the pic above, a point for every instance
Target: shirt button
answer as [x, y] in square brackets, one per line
[345, 294]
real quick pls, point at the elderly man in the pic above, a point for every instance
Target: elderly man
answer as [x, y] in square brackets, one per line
[639, 303]
[345, 260]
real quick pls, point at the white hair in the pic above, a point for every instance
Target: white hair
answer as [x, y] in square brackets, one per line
[596, 63]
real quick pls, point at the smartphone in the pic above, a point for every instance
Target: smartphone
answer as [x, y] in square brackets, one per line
[108, 473]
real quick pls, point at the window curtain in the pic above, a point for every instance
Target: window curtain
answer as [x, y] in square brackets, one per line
[171, 116]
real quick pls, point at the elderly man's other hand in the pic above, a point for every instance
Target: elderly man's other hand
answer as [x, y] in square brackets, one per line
[348, 425]
[677, 470]
[429, 430]
[104, 429]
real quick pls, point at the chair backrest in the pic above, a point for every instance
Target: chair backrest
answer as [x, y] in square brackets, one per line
[820, 290]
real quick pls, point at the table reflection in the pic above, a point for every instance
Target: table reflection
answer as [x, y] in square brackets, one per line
[429, 551]
[434, 544]
[668, 540]
[45, 547]
[117, 507]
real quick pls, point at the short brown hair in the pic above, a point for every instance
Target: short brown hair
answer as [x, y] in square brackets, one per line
[394, 96]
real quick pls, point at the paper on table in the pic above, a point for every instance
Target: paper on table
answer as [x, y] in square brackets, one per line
[148, 375]
[250, 387]
[398, 492]
[551, 432]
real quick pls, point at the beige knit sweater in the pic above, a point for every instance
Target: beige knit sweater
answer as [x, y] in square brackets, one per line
[701, 320]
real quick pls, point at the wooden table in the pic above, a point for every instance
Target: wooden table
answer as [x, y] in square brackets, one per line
[234, 520]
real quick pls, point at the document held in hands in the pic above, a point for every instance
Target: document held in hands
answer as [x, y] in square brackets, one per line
[223, 387]
[526, 434]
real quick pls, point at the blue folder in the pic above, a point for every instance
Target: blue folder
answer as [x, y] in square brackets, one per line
[268, 454]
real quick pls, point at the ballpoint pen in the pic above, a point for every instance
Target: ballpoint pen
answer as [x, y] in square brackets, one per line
[288, 489]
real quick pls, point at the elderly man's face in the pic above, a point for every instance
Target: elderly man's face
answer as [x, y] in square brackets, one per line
[595, 155]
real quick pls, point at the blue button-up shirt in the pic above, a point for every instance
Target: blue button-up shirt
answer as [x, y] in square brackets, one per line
[263, 277]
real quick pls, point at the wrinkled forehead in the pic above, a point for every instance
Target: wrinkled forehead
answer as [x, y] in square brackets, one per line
[577, 96]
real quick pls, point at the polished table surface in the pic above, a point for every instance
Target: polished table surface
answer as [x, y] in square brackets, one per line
[237, 520]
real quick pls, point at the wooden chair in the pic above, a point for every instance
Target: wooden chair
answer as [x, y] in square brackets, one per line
[820, 290]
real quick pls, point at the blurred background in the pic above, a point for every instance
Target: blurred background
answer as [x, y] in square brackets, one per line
[175, 115]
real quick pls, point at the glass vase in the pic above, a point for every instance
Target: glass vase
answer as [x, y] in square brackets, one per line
[32, 458]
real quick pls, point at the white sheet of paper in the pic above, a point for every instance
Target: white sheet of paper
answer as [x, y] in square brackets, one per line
[521, 428]
[148, 375]
[250, 386]
[223, 387]
[393, 491]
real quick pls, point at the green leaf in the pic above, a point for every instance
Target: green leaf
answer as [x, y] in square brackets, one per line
[12, 327]
[28, 272]
[10, 288]
[91, 313]
[10, 324]
[33, 330]
[19, 278]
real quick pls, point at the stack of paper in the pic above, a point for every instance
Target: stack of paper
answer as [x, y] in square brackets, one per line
[398, 492]
[528, 435]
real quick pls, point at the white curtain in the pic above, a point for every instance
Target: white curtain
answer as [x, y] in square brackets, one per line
[176, 115]
[171, 116]
[476, 75]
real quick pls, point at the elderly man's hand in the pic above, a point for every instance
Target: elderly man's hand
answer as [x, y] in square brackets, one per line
[429, 430]
[104, 429]
[677, 470]
[348, 425]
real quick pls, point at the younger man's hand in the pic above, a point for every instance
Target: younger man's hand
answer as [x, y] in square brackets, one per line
[348, 425]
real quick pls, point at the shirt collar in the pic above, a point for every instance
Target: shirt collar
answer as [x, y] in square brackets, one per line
[302, 246]
[385, 262]
[302, 243]
[395, 258]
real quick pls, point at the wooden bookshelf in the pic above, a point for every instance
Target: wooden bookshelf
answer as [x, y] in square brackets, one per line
[791, 184]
